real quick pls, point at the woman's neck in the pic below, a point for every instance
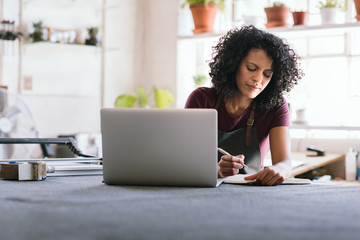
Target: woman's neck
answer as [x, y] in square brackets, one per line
[237, 105]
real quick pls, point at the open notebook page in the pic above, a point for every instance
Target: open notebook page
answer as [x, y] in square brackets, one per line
[239, 179]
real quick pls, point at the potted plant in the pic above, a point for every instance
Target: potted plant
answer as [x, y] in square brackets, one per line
[92, 40]
[330, 11]
[357, 8]
[277, 15]
[37, 35]
[300, 17]
[199, 80]
[204, 13]
[163, 99]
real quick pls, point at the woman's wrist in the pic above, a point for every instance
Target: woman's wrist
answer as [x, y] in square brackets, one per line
[283, 168]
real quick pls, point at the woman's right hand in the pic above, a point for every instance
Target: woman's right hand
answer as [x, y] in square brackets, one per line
[230, 165]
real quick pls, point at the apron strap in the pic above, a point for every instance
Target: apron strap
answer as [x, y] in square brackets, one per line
[218, 102]
[249, 124]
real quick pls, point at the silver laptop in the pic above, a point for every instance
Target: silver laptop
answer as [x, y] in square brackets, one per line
[159, 147]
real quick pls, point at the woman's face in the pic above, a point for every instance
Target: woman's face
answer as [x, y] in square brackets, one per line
[254, 73]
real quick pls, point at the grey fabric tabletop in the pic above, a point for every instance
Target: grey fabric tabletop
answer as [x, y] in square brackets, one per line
[83, 207]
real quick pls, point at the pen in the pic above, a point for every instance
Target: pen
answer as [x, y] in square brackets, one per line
[226, 153]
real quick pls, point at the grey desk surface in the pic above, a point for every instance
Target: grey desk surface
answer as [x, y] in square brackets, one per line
[85, 208]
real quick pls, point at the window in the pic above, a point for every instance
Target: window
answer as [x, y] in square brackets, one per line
[330, 90]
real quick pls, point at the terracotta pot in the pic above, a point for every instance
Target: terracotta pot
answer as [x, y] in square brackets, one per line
[357, 7]
[300, 18]
[204, 17]
[277, 16]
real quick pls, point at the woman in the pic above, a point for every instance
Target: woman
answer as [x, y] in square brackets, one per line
[251, 70]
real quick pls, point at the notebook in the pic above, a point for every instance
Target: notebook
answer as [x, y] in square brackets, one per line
[159, 147]
[239, 179]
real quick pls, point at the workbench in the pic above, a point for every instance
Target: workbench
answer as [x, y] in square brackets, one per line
[83, 207]
[334, 162]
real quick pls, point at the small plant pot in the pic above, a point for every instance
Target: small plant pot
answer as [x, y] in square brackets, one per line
[300, 18]
[330, 16]
[204, 17]
[91, 41]
[37, 36]
[357, 8]
[277, 16]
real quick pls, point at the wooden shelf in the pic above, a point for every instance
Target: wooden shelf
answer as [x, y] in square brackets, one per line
[201, 36]
[310, 127]
[320, 30]
[46, 43]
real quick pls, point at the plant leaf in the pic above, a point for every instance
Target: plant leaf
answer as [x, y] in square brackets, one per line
[163, 98]
[199, 80]
[143, 99]
[125, 101]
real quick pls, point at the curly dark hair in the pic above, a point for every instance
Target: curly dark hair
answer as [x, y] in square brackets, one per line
[235, 45]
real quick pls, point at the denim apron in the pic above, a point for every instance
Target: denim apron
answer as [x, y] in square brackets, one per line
[242, 141]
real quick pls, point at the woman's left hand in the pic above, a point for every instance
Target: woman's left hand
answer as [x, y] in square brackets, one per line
[270, 176]
[280, 155]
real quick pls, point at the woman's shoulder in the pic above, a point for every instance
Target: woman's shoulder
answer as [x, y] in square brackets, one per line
[283, 107]
[202, 97]
[205, 91]
[276, 116]
[280, 107]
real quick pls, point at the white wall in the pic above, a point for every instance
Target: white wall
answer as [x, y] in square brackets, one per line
[65, 98]
[160, 37]
[139, 43]
[9, 50]
[69, 113]
[123, 48]
[140, 47]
